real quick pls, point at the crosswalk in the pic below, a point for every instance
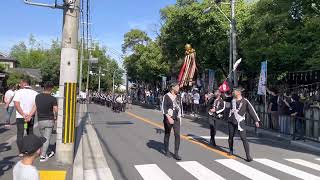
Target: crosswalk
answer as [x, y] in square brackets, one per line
[200, 172]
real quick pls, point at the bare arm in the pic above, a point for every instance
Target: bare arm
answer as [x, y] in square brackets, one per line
[18, 108]
[33, 111]
[55, 112]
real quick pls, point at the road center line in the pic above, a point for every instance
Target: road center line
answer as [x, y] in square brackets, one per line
[187, 138]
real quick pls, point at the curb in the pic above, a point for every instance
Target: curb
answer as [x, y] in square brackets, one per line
[89, 162]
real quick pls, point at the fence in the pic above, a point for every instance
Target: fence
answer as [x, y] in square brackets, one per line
[286, 123]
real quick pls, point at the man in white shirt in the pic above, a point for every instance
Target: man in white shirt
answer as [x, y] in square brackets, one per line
[196, 101]
[31, 148]
[8, 99]
[24, 99]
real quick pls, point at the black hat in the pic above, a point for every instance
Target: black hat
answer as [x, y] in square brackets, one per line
[239, 88]
[31, 143]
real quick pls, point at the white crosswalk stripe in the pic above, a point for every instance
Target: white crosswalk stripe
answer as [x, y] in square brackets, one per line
[245, 170]
[151, 172]
[287, 169]
[199, 171]
[305, 163]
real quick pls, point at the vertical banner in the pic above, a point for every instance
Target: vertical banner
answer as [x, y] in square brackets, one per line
[263, 79]
[211, 79]
[69, 112]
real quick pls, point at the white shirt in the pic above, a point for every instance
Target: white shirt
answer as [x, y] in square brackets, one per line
[26, 97]
[8, 95]
[196, 98]
[25, 172]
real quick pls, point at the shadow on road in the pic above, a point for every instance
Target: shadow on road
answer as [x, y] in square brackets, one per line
[6, 164]
[156, 145]
[4, 147]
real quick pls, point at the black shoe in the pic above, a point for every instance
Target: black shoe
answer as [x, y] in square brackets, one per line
[177, 157]
[167, 154]
[249, 159]
[213, 143]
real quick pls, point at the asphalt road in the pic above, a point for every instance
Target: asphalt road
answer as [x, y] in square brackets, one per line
[133, 146]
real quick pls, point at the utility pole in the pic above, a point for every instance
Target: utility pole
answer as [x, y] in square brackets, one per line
[67, 86]
[68, 78]
[234, 40]
[99, 78]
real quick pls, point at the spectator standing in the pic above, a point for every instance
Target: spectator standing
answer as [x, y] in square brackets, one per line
[24, 100]
[46, 107]
[297, 114]
[273, 109]
[8, 99]
[31, 148]
[196, 102]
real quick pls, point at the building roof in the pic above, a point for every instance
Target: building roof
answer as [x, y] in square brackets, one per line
[34, 73]
[6, 58]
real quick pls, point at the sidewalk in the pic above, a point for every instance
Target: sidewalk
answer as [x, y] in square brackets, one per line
[262, 133]
[9, 154]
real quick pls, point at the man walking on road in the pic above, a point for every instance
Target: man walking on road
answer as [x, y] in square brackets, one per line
[24, 99]
[171, 119]
[46, 107]
[8, 99]
[239, 107]
[216, 107]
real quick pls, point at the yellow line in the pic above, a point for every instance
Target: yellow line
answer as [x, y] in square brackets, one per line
[71, 109]
[74, 109]
[205, 146]
[66, 114]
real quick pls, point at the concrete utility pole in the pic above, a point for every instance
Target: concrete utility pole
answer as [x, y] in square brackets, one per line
[67, 85]
[234, 40]
[68, 78]
[99, 78]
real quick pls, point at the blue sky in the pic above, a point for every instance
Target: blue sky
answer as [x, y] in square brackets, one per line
[111, 19]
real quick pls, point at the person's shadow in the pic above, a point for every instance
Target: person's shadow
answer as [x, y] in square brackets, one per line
[6, 164]
[158, 146]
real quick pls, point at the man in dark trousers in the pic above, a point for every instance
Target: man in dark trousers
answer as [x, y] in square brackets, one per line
[236, 121]
[171, 108]
[216, 107]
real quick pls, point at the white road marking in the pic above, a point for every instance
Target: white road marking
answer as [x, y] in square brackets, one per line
[305, 163]
[151, 172]
[199, 171]
[287, 169]
[245, 170]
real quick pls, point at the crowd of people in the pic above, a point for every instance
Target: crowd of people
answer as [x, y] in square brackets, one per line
[118, 102]
[29, 103]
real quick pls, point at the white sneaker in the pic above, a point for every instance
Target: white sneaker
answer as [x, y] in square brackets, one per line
[51, 154]
[44, 159]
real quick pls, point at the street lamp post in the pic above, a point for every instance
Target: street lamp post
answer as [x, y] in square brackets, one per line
[232, 37]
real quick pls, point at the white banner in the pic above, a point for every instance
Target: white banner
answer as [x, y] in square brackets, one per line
[263, 79]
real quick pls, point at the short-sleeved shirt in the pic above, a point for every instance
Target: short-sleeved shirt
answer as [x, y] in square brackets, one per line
[26, 97]
[196, 98]
[25, 172]
[45, 103]
[8, 95]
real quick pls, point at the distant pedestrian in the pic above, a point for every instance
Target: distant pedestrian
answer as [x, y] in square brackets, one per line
[8, 99]
[46, 107]
[171, 109]
[24, 99]
[196, 102]
[297, 114]
[31, 148]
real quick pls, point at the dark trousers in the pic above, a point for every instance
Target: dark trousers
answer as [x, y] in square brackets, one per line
[232, 130]
[213, 128]
[298, 128]
[20, 131]
[167, 130]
